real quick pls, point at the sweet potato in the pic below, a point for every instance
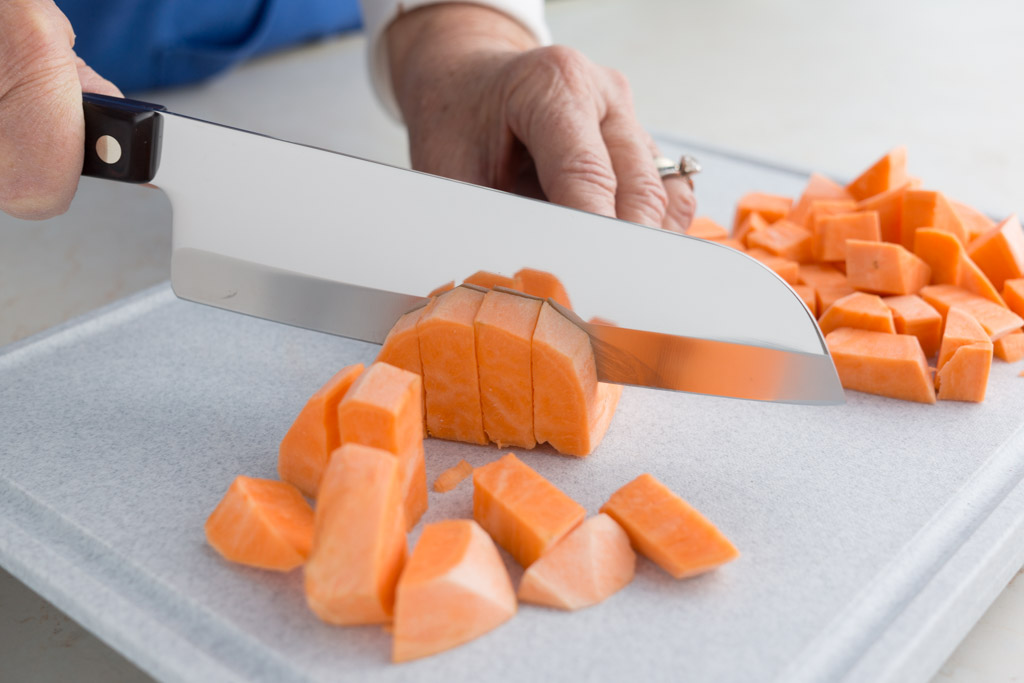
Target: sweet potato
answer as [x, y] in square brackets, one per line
[313, 436]
[965, 376]
[806, 294]
[818, 188]
[452, 477]
[401, 347]
[489, 280]
[593, 562]
[706, 229]
[890, 365]
[772, 207]
[542, 284]
[961, 329]
[1010, 348]
[1013, 295]
[750, 224]
[885, 174]
[455, 588]
[524, 512]
[668, 531]
[951, 264]
[262, 523]
[785, 268]
[861, 310]
[884, 268]
[912, 315]
[786, 239]
[831, 233]
[976, 223]
[997, 320]
[889, 207]
[1000, 252]
[928, 209]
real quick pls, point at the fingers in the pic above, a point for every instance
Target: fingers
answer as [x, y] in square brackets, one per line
[682, 204]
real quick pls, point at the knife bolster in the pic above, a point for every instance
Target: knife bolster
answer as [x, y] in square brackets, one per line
[122, 138]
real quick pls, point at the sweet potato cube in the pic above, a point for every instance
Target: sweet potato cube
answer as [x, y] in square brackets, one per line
[997, 320]
[976, 222]
[524, 512]
[302, 457]
[262, 523]
[571, 409]
[890, 365]
[806, 294]
[1010, 348]
[504, 328]
[960, 329]
[786, 239]
[818, 188]
[860, 310]
[912, 315]
[965, 376]
[889, 207]
[1000, 252]
[667, 530]
[1013, 295]
[448, 353]
[832, 231]
[772, 207]
[885, 174]
[489, 280]
[542, 284]
[751, 223]
[884, 268]
[928, 209]
[785, 268]
[452, 477]
[950, 263]
[828, 295]
[706, 229]
[359, 545]
[821, 275]
[593, 562]
[455, 588]
[383, 409]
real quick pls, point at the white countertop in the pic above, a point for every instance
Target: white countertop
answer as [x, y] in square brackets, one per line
[827, 86]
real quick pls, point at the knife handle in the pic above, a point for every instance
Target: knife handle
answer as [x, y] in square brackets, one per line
[122, 138]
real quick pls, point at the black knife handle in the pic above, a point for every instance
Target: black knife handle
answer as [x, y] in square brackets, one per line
[122, 138]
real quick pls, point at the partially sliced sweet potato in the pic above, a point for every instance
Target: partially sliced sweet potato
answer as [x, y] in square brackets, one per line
[504, 328]
[489, 280]
[262, 523]
[965, 376]
[313, 436]
[928, 209]
[452, 477]
[772, 207]
[1000, 252]
[359, 547]
[455, 588]
[786, 239]
[448, 353]
[879, 363]
[861, 310]
[667, 530]
[961, 329]
[913, 315]
[884, 268]
[997, 320]
[1010, 348]
[542, 284]
[593, 562]
[885, 174]
[831, 233]
[524, 512]
[401, 347]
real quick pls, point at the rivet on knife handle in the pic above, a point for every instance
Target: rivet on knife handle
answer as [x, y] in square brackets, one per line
[122, 138]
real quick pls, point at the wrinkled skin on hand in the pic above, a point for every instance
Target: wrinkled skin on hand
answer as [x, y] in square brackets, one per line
[42, 131]
[485, 105]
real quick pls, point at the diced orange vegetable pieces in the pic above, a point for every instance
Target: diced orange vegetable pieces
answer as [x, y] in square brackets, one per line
[1000, 252]
[706, 229]
[542, 284]
[912, 315]
[1013, 295]
[887, 173]
[831, 233]
[384, 409]
[806, 294]
[750, 224]
[890, 365]
[448, 353]
[504, 333]
[1010, 348]
[785, 268]
[976, 222]
[950, 263]
[997, 320]
[827, 296]
[884, 268]
[593, 562]
[928, 209]
[786, 239]
[524, 512]
[822, 208]
[821, 275]
[667, 530]
[861, 310]
[889, 207]
[452, 477]
[359, 547]
[965, 376]
[571, 409]
[772, 207]
[455, 588]
[489, 280]
[961, 329]
[818, 188]
[262, 523]
[313, 436]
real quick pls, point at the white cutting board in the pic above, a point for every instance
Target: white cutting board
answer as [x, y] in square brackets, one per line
[872, 534]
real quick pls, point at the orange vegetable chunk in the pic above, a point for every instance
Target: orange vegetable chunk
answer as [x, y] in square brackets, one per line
[504, 334]
[950, 264]
[1000, 252]
[884, 268]
[821, 275]
[590, 564]
[384, 409]
[890, 365]
[524, 512]
[452, 477]
[831, 233]
[806, 294]
[487, 280]
[965, 376]
[820, 208]
[571, 409]
[887, 173]
[928, 209]
[667, 530]
[313, 436]
[542, 284]
[785, 268]
[401, 347]
[455, 588]
[785, 239]
[751, 223]
[827, 296]
[1013, 295]
[262, 523]
[912, 315]
[976, 222]
[961, 329]
[997, 320]
[706, 229]
[861, 310]
[889, 207]
[448, 353]
[818, 188]
[772, 207]
[359, 547]
[441, 289]
[1010, 348]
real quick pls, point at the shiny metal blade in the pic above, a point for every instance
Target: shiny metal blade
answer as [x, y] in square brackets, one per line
[343, 245]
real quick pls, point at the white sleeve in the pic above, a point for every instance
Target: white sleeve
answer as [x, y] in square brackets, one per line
[378, 14]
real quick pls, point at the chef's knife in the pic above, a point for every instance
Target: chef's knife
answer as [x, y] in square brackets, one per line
[339, 244]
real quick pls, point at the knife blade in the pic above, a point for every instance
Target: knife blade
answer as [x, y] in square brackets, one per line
[334, 243]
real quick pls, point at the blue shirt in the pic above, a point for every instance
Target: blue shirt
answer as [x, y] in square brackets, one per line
[140, 44]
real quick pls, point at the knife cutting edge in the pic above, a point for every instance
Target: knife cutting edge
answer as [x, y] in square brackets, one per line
[343, 245]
